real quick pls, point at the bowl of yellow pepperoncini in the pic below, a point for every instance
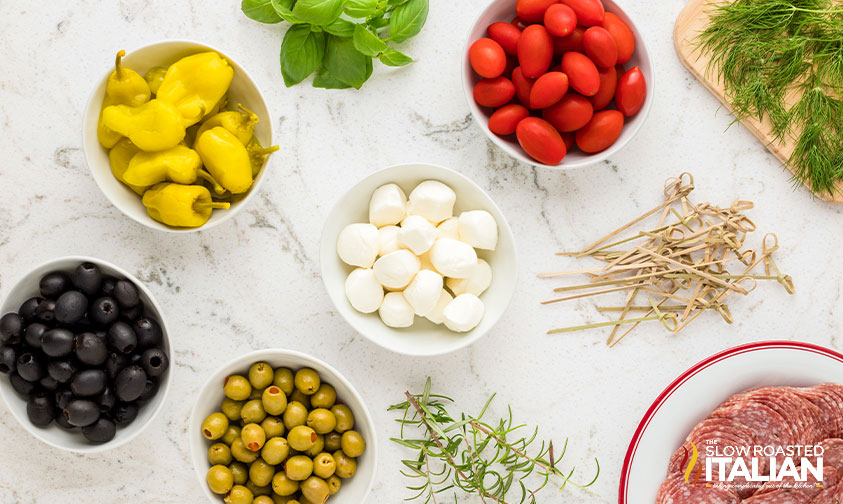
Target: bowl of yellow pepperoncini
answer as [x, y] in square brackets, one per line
[177, 136]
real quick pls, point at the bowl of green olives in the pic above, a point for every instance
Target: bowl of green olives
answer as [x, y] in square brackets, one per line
[281, 426]
[84, 354]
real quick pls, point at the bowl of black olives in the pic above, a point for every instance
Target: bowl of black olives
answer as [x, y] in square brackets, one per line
[84, 354]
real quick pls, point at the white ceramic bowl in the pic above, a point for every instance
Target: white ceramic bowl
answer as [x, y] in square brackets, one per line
[699, 390]
[504, 10]
[53, 435]
[243, 90]
[424, 338]
[354, 490]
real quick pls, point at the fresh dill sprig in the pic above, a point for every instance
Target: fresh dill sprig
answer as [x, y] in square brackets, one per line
[769, 53]
[494, 461]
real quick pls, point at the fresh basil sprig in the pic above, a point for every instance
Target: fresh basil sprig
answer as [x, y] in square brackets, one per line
[338, 39]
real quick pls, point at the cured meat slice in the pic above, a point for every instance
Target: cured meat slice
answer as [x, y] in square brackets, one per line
[781, 496]
[769, 428]
[830, 495]
[807, 490]
[831, 417]
[674, 490]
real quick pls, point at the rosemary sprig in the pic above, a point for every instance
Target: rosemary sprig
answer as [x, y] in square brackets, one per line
[495, 462]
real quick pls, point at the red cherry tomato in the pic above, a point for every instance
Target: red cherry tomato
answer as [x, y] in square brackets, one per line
[548, 90]
[535, 51]
[572, 42]
[601, 132]
[519, 23]
[541, 141]
[487, 58]
[608, 85]
[631, 92]
[505, 119]
[493, 92]
[506, 35]
[570, 139]
[560, 20]
[570, 114]
[589, 12]
[532, 11]
[581, 72]
[600, 47]
[623, 36]
[523, 86]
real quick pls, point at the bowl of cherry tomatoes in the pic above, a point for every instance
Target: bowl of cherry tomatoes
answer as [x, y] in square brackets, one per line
[559, 83]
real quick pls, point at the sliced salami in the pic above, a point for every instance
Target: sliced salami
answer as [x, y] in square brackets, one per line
[674, 490]
[830, 495]
[769, 428]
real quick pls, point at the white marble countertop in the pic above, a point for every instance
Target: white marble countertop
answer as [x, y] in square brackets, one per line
[254, 282]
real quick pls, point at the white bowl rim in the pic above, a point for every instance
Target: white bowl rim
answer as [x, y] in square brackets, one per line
[149, 222]
[267, 354]
[97, 448]
[623, 484]
[464, 342]
[641, 117]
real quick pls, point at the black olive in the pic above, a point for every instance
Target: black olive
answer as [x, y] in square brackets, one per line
[126, 294]
[148, 332]
[32, 334]
[46, 311]
[115, 363]
[104, 311]
[90, 349]
[130, 383]
[125, 413]
[57, 342]
[21, 386]
[133, 313]
[71, 307]
[107, 399]
[54, 284]
[108, 283]
[62, 370]
[48, 383]
[101, 431]
[122, 338]
[87, 277]
[61, 421]
[30, 367]
[40, 409]
[154, 362]
[11, 328]
[8, 358]
[88, 382]
[149, 390]
[29, 307]
[81, 412]
[63, 396]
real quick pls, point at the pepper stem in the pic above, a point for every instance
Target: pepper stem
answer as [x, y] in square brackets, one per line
[202, 205]
[118, 63]
[253, 118]
[267, 151]
[210, 178]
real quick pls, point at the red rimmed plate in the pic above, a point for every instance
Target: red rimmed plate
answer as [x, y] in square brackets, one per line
[697, 391]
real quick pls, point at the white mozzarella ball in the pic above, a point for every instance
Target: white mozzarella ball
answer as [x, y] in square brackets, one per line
[453, 258]
[433, 200]
[387, 206]
[463, 313]
[449, 228]
[363, 290]
[388, 239]
[417, 234]
[423, 292]
[477, 281]
[395, 311]
[358, 245]
[396, 269]
[479, 229]
[435, 315]
[426, 264]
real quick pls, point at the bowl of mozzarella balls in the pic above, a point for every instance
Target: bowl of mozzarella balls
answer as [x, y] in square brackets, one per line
[419, 259]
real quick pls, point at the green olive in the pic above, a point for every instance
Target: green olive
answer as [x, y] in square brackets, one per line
[256, 394]
[345, 418]
[237, 388]
[239, 495]
[253, 437]
[273, 426]
[321, 420]
[231, 408]
[261, 375]
[324, 465]
[240, 473]
[301, 438]
[298, 468]
[277, 499]
[274, 401]
[261, 473]
[307, 381]
[214, 426]
[263, 499]
[219, 454]
[325, 397]
[353, 444]
[220, 479]
[253, 412]
[315, 490]
[333, 442]
[295, 415]
[317, 448]
[231, 434]
[275, 450]
[284, 380]
[346, 466]
[334, 484]
[299, 397]
[284, 486]
[258, 490]
[241, 453]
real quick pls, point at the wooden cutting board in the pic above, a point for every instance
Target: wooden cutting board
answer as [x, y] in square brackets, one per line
[690, 22]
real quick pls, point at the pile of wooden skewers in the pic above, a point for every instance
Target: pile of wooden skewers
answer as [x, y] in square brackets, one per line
[688, 263]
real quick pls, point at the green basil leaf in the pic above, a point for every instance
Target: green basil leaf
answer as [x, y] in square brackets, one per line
[341, 28]
[407, 20]
[318, 12]
[325, 80]
[360, 8]
[379, 22]
[284, 8]
[391, 57]
[301, 53]
[396, 3]
[260, 10]
[367, 42]
[345, 63]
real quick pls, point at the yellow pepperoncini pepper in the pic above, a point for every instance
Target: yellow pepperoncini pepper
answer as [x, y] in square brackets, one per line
[239, 122]
[124, 87]
[178, 164]
[195, 84]
[119, 158]
[180, 205]
[154, 77]
[258, 154]
[226, 158]
[153, 126]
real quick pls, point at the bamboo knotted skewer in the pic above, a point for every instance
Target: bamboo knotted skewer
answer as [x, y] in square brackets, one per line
[683, 260]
